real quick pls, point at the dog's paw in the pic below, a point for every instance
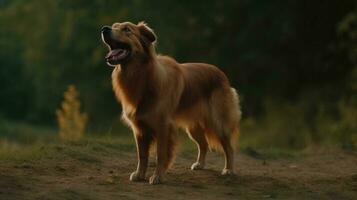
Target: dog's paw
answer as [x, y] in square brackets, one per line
[155, 179]
[197, 166]
[135, 176]
[227, 172]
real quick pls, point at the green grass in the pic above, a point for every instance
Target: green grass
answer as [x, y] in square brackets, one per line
[24, 142]
[24, 133]
[20, 141]
[86, 150]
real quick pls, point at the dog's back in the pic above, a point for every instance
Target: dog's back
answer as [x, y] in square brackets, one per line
[206, 101]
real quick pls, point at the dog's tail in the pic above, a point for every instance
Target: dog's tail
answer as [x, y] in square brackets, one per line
[236, 106]
[226, 116]
[236, 111]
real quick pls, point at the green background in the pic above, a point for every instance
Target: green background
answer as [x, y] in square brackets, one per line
[293, 62]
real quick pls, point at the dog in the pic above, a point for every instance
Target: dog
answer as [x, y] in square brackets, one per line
[159, 95]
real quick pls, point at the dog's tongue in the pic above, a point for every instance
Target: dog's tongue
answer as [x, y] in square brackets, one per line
[116, 53]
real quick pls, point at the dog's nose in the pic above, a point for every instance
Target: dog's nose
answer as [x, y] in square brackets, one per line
[106, 29]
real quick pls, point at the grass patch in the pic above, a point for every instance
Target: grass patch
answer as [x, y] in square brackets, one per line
[25, 152]
[24, 133]
[88, 150]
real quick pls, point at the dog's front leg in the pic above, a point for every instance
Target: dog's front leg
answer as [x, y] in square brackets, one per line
[163, 151]
[143, 141]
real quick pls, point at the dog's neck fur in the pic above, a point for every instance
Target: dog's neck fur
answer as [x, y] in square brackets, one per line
[134, 81]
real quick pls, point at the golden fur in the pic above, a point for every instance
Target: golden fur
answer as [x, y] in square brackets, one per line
[159, 94]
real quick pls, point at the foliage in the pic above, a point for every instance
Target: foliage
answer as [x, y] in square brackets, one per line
[283, 126]
[347, 126]
[70, 120]
[286, 58]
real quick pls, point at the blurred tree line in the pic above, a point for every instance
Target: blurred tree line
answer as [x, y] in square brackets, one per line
[276, 53]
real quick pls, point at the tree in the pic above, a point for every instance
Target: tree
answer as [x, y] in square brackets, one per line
[71, 121]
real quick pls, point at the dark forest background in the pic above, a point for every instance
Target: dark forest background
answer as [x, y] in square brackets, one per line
[293, 62]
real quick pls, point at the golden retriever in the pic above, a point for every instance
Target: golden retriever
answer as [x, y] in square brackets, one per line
[158, 95]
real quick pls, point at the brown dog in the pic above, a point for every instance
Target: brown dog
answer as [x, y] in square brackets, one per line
[158, 94]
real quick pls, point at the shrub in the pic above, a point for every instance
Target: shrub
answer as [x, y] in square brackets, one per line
[70, 120]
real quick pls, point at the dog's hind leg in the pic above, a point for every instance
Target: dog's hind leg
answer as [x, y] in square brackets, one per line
[198, 136]
[228, 155]
[226, 114]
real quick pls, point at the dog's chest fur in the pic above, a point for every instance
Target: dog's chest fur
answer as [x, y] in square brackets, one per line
[133, 90]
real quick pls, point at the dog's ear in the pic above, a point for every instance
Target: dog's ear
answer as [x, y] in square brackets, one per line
[147, 32]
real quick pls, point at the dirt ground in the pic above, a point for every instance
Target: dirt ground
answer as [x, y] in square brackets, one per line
[102, 172]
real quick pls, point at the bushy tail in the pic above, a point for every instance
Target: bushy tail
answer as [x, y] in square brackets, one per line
[237, 118]
[226, 115]
[236, 105]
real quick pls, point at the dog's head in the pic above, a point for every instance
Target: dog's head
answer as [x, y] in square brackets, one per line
[127, 41]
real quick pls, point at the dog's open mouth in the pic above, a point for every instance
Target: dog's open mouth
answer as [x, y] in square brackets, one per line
[118, 53]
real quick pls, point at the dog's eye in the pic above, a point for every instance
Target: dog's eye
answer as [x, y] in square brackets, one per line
[126, 30]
